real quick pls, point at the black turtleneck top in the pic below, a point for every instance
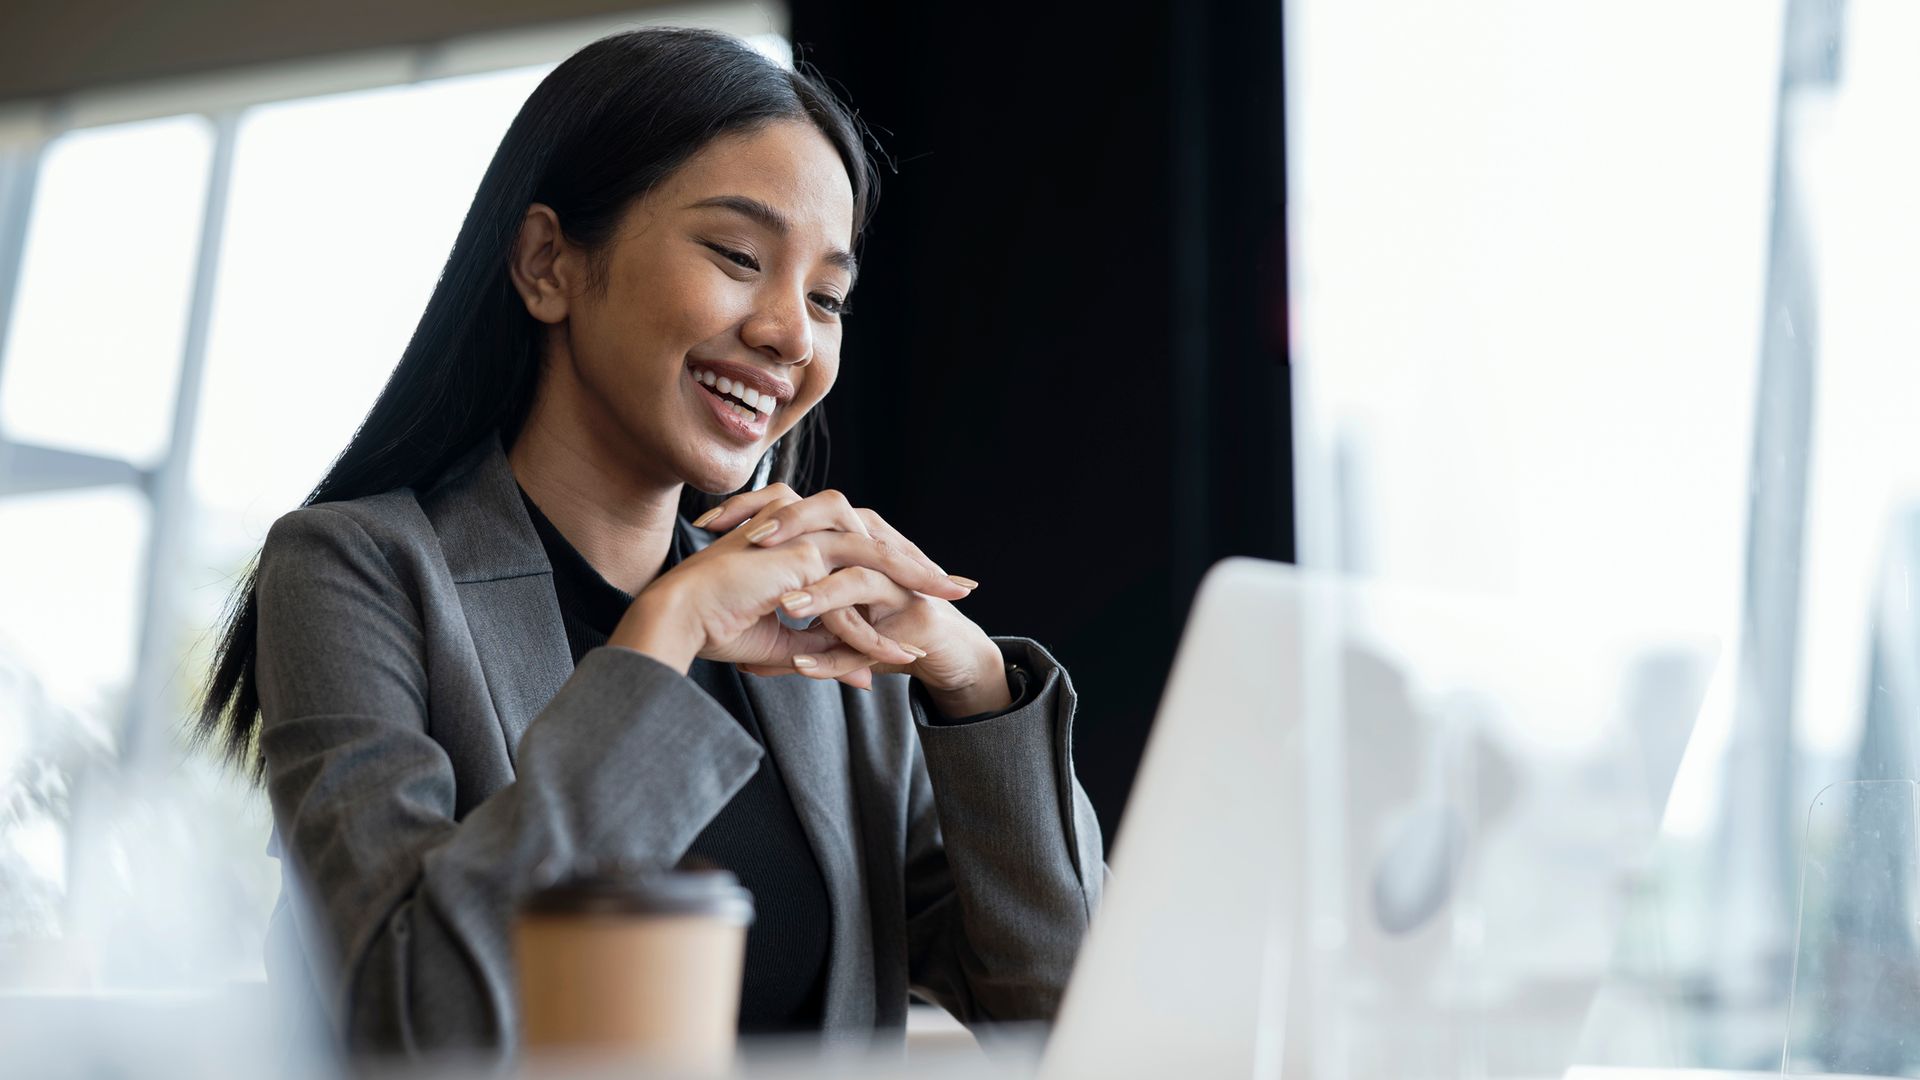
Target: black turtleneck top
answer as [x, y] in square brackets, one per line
[757, 835]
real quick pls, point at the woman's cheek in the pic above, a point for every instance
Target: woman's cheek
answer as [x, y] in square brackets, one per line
[826, 374]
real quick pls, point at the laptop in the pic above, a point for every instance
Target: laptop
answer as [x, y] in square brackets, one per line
[1377, 832]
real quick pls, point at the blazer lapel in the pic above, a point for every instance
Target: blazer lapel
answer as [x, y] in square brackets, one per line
[505, 585]
[522, 646]
[805, 726]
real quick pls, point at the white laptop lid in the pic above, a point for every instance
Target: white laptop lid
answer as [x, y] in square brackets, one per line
[1450, 792]
[1169, 981]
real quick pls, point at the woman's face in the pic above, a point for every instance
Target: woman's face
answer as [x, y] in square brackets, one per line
[733, 269]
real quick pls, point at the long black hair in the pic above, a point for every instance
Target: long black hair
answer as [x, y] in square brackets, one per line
[601, 130]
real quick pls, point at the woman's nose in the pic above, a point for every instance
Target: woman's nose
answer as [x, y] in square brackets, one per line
[782, 330]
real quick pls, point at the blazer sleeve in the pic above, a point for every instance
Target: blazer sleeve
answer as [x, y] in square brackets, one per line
[1004, 864]
[410, 910]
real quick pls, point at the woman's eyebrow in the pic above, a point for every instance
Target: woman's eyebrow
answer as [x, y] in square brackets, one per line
[774, 221]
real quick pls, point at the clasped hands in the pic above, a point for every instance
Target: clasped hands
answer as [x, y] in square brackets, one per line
[879, 604]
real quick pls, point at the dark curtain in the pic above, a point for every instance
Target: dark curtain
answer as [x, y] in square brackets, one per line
[1065, 369]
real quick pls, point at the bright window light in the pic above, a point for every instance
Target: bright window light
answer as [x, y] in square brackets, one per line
[343, 211]
[94, 349]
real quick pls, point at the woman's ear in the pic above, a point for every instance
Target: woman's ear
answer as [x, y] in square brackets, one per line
[543, 265]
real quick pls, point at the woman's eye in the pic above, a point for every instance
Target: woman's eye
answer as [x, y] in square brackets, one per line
[738, 258]
[830, 304]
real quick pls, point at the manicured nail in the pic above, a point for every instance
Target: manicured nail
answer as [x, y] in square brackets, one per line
[763, 532]
[963, 582]
[796, 601]
[803, 661]
[914, 649]
[701, 521]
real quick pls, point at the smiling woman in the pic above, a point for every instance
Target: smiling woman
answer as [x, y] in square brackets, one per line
[492, 639]
[737, 264]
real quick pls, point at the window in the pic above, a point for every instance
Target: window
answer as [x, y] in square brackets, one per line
[1609, 306]
[94, 348]
[338, 214]
[343, 211]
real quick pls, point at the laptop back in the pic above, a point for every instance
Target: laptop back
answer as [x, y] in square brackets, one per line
[1377, 832]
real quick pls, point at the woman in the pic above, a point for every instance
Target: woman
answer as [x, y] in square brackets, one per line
[493, 639]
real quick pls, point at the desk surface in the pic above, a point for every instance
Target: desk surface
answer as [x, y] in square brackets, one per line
[82, 1036]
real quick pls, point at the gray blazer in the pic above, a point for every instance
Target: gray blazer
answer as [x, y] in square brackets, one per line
[429, 743]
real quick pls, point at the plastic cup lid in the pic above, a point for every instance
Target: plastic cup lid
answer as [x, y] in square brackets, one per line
[619, 887]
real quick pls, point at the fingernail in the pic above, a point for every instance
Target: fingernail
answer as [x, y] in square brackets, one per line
[803, 661]
[796, 601]
[762, 532]
[963, 582]
[914, 649]
[701, 521]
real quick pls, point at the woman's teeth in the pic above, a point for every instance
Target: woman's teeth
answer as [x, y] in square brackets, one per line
[752, 403]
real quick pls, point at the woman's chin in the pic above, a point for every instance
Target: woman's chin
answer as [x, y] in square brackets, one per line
[720, 481]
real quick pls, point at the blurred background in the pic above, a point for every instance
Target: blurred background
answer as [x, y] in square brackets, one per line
[1606, 306]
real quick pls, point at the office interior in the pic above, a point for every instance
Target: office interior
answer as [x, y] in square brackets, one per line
[1598, 312]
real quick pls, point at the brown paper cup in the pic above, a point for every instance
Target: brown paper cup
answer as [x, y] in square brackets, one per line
[642, 965]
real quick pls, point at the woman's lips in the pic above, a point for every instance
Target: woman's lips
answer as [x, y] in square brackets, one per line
[731, 422]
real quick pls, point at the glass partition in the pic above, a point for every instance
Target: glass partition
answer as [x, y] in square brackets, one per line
[1856, 980]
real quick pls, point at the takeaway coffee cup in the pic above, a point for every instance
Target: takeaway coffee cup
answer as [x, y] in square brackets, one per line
[618, 960]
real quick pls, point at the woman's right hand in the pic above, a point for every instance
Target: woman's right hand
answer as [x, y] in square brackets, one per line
[720, 603]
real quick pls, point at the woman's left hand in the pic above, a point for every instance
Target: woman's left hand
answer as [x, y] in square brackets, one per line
[962, 672]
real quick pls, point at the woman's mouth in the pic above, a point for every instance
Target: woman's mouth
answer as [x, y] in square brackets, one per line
[740, 411]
